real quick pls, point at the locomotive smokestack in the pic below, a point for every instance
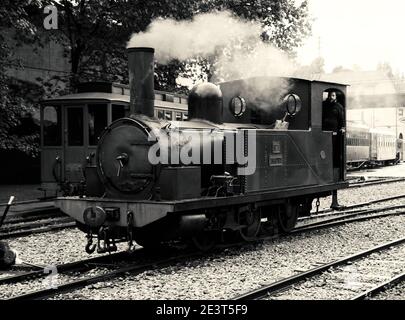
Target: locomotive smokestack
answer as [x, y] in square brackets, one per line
[141, 80]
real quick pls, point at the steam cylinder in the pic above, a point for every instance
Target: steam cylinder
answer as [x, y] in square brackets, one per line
[141, 80]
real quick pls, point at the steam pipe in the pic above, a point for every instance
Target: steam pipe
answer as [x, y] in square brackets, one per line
[141, 80]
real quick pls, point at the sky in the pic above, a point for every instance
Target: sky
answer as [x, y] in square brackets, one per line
[356, 32]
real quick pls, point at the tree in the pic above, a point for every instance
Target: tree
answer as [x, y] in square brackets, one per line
[315, 69]
[386, 68]
[96, 32]
[285, 24]
[17, 100]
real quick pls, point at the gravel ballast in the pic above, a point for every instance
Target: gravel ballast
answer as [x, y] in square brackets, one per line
[236, 271]
[364, 194]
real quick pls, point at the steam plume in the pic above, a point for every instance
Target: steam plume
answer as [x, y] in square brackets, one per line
[220, 34]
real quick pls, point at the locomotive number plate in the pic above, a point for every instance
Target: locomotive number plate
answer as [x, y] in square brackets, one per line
[276, 160]
[276, 147]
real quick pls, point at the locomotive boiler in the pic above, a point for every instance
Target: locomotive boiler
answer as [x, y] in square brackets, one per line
[248, 162]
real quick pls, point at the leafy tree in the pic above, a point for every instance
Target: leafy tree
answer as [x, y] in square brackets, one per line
[96, 32]
[313, 70]
[386, 68]
[285, 24]
[17, 99]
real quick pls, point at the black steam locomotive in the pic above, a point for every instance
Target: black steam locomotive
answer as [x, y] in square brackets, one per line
[248, 162]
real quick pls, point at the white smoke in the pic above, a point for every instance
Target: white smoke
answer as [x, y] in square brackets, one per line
[218, 34]
[235, 45]
[186, 39]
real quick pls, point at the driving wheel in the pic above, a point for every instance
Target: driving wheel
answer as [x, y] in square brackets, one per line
[204, 241]
[251, 221]
[287, 217]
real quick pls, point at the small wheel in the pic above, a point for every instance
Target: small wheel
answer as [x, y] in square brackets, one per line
[287, 217]
[252, 221]
[204, 241]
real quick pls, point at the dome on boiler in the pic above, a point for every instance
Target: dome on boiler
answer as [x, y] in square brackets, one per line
[205, 102]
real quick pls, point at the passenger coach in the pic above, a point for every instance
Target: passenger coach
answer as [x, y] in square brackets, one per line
[71, 125]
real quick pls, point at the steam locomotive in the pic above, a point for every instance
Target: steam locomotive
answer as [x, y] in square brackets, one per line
[248, 162]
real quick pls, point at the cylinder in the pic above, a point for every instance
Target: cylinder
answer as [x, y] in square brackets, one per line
[141, 80]
[192, 224]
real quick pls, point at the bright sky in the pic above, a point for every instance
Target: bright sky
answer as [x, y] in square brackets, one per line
[356, 32]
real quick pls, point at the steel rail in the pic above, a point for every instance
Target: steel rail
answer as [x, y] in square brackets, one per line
[380, 287]
[33, 217]
[348, 218]
[372, 183]
[47, 228]
[270, 289]
[81, 283]
[358, 205]
[67, 267]
[34, 224]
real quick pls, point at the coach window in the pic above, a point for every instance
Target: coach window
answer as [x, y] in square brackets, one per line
[97, 121]
[75, 126]
[117, 112]
[178, 116]
[185, 116]
[52, 125]
[168, 115]
[161, 114]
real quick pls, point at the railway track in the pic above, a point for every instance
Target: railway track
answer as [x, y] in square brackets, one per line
[374, 182]
[80, 265]
[35, 216]
[357, 205]
[380, 287]
[37, 224]
[114, 270]
[282, 286]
